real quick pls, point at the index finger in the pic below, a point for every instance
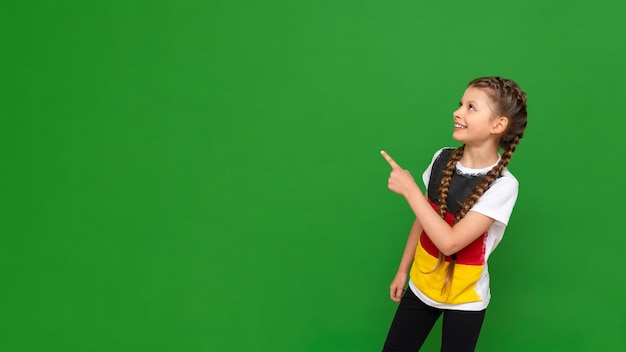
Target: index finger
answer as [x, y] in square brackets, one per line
[391, 162]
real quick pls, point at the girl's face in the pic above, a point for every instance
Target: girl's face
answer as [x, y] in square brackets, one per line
[475, 121]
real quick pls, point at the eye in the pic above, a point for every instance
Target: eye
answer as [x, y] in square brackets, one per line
[471, 107]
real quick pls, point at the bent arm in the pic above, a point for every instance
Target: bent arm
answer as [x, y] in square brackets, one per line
[448, 240]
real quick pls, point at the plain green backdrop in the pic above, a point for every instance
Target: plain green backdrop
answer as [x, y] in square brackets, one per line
[205, 176]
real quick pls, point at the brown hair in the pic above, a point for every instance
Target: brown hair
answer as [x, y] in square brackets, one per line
[509, 101]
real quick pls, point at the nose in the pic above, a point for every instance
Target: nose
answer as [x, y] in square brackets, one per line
[457, 113]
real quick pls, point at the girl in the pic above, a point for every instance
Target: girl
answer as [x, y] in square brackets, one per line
[459, 221]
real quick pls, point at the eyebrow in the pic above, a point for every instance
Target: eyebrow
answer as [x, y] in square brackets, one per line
[478, 106]
[473, 102]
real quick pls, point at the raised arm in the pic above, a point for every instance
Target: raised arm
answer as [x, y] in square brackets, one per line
[448, 240]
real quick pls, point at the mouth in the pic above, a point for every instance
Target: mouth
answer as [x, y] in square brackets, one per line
[458, 125]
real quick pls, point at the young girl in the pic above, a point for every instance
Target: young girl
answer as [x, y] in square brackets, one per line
[459, 221]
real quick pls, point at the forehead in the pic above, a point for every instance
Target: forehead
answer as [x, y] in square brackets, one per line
[476, 94]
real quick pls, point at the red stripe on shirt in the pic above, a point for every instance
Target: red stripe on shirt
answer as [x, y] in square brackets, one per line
[472, 254]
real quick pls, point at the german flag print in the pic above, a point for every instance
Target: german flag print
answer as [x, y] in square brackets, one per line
[468, 269]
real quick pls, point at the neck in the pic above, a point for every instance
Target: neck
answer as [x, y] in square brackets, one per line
[479, 157]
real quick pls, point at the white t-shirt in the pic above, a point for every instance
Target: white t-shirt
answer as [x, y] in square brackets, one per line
[497, 203]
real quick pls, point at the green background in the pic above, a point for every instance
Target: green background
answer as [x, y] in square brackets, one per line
[204, 175]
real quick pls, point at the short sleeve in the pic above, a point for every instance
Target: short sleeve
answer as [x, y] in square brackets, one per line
[498, 201]
[426, 174]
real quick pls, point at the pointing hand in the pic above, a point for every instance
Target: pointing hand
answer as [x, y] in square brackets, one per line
[400, 180]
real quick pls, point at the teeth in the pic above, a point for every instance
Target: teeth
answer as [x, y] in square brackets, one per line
[458, 125]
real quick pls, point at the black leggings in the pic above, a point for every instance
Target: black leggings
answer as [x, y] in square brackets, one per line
[414, 320]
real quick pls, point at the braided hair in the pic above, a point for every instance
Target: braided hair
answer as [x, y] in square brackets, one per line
[509, 101]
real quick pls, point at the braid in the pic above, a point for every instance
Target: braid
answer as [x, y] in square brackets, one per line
[444, 187]
[446, 178]
[479, 190]
[487, 180]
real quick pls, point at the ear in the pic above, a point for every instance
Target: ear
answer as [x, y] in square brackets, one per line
[499, 125]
